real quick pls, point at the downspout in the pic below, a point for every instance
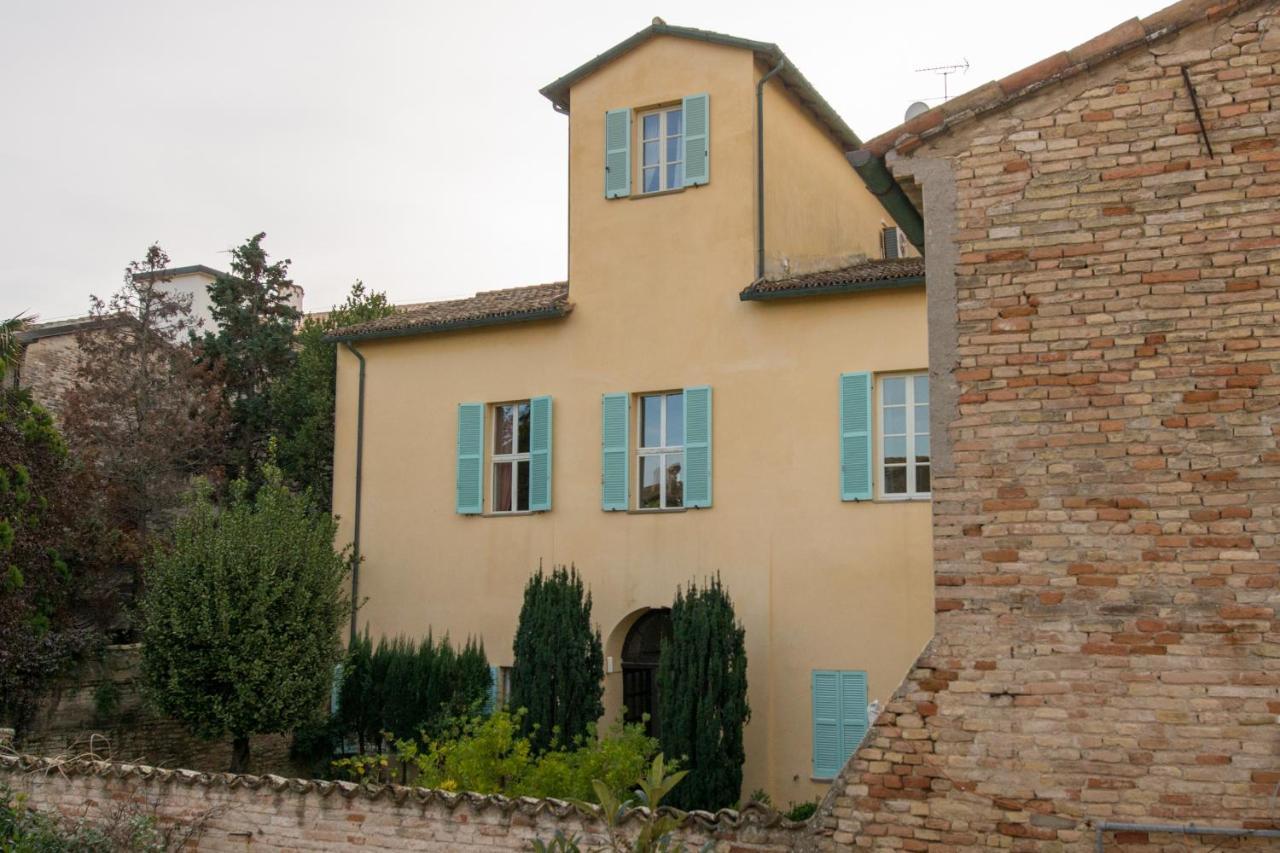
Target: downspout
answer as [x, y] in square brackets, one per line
[883, 186]
[355, 539]
[760, 167]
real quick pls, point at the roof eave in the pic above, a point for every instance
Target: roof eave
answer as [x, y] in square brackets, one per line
[558, 91]
[749, 295]
[413, 331]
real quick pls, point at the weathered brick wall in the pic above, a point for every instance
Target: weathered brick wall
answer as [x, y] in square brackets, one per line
[48, 369]
[99, 708]
[269, 813]
[1106, 532]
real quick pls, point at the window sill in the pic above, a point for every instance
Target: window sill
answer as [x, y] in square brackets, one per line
[905, 499]
[663, 511]
[512, 514]
[826, 780]
[656, 193]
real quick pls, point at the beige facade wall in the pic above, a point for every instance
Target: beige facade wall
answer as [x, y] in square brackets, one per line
[818, 214]
[818, 583]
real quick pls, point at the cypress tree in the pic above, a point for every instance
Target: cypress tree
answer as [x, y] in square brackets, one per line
[702, 697]
[558, 676]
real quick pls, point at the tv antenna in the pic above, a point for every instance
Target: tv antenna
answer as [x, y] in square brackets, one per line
[946, 71]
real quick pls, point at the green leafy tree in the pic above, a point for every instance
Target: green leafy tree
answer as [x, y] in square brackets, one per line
[241, 614]
[253, 310]
[702, 696]
[558, 674]
[302, 402]
[49, 571]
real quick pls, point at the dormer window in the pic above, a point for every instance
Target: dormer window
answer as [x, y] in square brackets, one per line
[662, 151]
[675, 147]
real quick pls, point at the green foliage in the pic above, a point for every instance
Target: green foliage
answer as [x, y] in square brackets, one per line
[252, 345]
[242, 613]
[800, 812]
[302, 402]
[50, 587]
[403, 688]
[558, 674]
[702, 696]
[656, 830]
[10, 349]
[489, 755]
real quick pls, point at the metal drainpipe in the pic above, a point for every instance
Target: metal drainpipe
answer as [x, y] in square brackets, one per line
[1179, 829]
[355, 539]
[760, 167]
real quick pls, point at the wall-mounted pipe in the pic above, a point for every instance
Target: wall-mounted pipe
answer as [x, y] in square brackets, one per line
[760, 167]
[355, 537]
[884, 187]
[1179, 829]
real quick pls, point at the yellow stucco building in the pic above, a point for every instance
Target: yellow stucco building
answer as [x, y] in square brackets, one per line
[732, 380]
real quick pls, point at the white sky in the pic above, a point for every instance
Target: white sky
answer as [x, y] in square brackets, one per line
[404, 143]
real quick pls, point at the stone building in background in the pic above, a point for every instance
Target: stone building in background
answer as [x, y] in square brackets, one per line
[50, 351]
[1103, 263]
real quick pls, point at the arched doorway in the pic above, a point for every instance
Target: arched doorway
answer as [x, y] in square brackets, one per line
[640, 652]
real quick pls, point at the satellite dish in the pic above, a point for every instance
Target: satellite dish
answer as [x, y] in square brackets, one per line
[916, 109]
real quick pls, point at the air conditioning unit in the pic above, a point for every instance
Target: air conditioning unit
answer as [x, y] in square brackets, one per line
[893, 242]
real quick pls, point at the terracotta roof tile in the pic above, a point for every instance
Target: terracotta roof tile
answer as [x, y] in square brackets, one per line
[493, 307]
[1052, 69]
[868, 275]
[753, 815]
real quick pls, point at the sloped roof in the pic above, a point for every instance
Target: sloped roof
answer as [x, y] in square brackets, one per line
[1061, 66]
[558, 92]
[493, 307]
[868, 275]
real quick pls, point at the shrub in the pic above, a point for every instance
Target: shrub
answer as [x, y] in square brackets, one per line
[702, 696]
[122, 828]
[801, 811]
[404, 688]
[558, 674]
[655, 830]
[490, 756]
[242, 614]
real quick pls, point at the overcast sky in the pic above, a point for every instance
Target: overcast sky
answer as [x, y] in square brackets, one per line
[402, 143]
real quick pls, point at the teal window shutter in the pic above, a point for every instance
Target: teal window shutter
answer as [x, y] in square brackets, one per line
[839, 718]
[470, 494]
[697, 446]
[616, 414]
[491, 700]
[697, 140]
[826, 724]
[855, 437]
[853, 712]
[617, 153]
[540, 454]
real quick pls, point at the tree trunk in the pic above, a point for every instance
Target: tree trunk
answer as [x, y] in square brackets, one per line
[240, 754]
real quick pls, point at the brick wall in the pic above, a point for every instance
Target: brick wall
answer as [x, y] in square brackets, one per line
[243, 812]
[99, 709]
[1106, 526]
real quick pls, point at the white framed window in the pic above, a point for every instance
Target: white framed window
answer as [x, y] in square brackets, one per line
[661, 150]
[660, 450]
[903, 446]
[510, 457]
